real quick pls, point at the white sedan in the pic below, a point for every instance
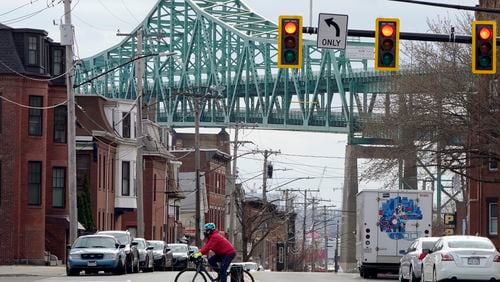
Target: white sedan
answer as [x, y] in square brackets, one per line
[462, 257]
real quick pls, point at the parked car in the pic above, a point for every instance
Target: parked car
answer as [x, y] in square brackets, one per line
[146, 260]
[94, 253]
[124, 237]
[179, 254]
[161, 258]
[411, 262]
[192, 250]
[462, 258]
[250, 266]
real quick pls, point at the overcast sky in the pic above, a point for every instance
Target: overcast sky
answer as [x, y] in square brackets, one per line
[96, 23]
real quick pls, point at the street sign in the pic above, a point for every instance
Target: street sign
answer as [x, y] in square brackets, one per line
[360, 52]
[332, 31]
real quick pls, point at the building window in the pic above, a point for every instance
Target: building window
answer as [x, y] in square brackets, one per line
[154, 187]
[57, 66]
[126, 125]
[58, 186]
[32, 50]
[35, 116]
[34, 183]
[60, 124]
[125, 178]
[493, 218]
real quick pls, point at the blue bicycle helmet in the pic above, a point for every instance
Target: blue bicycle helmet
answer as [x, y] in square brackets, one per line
[209, 227]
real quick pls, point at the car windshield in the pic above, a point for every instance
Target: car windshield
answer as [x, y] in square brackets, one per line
[178, 248]
[95, 242]
[141, 244]
[121, 237]
[156, 245]
[251, 266]
[428, 244]
[470, 244]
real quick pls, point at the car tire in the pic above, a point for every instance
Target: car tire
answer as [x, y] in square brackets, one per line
[401, 277]
[72, 272]
[137, 266]
[412, 275]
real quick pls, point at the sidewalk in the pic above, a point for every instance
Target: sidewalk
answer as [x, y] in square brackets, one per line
[31, 270]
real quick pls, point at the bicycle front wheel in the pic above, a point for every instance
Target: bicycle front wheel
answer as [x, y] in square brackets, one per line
[190, 275]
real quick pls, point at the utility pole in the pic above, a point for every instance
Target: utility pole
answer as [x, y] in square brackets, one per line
[326, 233]
[313, 229]
[139, 73]
[67, 32]
[234, 176]
[266, 153]
[197, 111]
[304, 222]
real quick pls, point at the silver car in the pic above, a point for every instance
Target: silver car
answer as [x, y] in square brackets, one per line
[93, 253]
[411, 262]
[146, 260]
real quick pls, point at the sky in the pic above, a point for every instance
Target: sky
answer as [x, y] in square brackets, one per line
[302, 154]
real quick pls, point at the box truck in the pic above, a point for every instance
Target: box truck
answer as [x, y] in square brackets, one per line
[387, 223]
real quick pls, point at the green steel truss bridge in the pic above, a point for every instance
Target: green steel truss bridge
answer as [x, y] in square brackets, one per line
[224, 43]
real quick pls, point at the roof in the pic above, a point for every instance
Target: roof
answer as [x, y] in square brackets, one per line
[90, 115]
[10, 62]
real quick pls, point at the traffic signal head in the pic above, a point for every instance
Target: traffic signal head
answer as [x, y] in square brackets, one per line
[290, 42]
[387, 44]
[484, 47]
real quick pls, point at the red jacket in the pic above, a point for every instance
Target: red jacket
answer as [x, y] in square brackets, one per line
[218, 244]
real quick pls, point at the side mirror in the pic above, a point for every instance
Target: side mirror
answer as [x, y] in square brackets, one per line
[402, 252]
[150, 248]
[68, 248]
[134, 243]
[123, 246]
[167, 250]
[117, 245]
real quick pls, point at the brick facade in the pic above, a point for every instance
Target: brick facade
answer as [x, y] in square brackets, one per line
[26, 225]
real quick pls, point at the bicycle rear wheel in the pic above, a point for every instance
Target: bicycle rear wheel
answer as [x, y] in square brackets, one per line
[190, 275]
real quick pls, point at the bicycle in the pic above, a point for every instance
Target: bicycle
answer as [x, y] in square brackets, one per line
[200, 273]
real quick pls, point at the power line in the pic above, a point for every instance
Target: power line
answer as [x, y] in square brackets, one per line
[19, 7]
[452, 6]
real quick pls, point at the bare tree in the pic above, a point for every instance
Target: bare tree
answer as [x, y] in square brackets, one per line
[259, 221]
[435, 112]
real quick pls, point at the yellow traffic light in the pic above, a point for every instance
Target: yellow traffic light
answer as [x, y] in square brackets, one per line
[290, 42]
[387, 44]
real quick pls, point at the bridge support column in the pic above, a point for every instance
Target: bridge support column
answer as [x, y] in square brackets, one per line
[410, 172]
[348, 236]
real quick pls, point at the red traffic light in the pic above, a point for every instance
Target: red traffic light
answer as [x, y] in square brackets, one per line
[290, 27]
[387, 30]
[485, 33]
[484, 37]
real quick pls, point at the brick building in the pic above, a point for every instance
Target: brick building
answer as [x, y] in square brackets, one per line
[107, 150]
[214, 167]
[33, 150]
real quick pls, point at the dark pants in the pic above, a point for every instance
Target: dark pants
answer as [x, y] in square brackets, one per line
[224, 265]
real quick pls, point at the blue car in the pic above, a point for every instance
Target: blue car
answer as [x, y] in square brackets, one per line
[94, 253]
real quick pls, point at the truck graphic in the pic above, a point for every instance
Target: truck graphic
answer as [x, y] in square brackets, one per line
[393, 215]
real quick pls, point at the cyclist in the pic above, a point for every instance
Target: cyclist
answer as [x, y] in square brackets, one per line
[223, 249]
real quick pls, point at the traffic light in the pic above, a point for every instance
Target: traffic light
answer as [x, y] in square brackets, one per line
[387, 44]
[484, 47]
[290, 42]
[269, 171]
